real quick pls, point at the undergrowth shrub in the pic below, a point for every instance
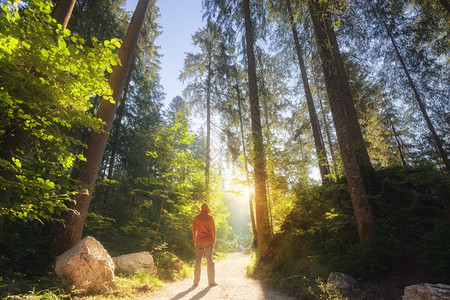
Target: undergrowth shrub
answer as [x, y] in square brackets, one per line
[164, 261]
[435, 252]
[410, 206]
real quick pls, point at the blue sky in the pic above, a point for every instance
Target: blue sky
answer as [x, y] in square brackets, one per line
[179, 20]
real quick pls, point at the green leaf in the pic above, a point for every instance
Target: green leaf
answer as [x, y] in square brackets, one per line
[17, 162]
[44, 53]
[26, 45]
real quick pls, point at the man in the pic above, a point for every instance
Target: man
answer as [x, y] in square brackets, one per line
[204, 234]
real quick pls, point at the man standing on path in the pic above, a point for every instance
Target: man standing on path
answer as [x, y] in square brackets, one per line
[204, 234]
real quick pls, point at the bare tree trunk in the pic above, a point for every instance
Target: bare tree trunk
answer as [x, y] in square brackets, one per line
[397, 138]
[324, 167]
[67, 234]
[241, 124]
[418, 98]
[328, 134]
[270, 172]
[270, 168]
[262, 217]
[63, 11]
[326, 126]
[159, 222]
[359, 145]
[361, 207]
[208, 119]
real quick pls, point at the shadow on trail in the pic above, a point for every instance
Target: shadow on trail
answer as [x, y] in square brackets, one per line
[199, 295]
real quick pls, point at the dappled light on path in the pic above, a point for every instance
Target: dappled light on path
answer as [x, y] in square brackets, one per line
[232, 280]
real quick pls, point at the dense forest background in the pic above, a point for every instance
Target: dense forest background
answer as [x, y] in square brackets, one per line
[323, 142]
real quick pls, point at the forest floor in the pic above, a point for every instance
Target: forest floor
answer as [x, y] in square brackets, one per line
[232, 280]
[233, 283]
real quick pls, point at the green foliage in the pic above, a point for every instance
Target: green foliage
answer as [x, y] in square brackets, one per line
[320, 225]
[129, 286]
[26, 261]
[48, 76]
[157, 207]
[35, 288]
[164, 261]
[319, 235]
[435, 251]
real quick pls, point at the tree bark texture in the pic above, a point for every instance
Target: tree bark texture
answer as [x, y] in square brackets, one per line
[70, 232]
[326, 126]
[344, 92]
[269, 167]
[63, 11]
[208, 118]
[324, 167]
[241, 124]
[363, 214]
[397, 137]
[262, 217]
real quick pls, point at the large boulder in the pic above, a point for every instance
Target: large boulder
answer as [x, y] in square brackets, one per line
[341, 280]
[133, 262]
[87, 265]
[427, 291]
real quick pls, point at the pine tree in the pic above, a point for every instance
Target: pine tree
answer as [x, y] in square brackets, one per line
[329, 52]
[318, 140]
[262, 218]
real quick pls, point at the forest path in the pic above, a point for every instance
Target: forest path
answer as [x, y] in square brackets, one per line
[233, 284]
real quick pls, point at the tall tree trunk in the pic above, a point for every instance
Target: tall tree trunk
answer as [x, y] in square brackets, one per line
[328, 134]
[159, 222]
[359, 145]
[396, 136]
[259, 169]
[326, 126]
[270, 168]
[418, 98]
[250, 197]
[361, 207]
[208, 119]
[70, 232]
[63, 11]
[324, 167]
[120, 112]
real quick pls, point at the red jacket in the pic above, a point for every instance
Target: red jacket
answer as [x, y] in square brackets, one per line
[204, 229]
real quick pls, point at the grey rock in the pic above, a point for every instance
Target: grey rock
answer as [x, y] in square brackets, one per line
[341, 280]
[427, 291]
[133, 262]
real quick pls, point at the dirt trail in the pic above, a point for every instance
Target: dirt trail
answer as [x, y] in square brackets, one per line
[232, 280]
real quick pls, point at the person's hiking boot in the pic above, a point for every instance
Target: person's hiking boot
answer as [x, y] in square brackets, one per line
[213, 284]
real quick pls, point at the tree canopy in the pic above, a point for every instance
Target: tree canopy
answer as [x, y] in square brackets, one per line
[323, 134]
